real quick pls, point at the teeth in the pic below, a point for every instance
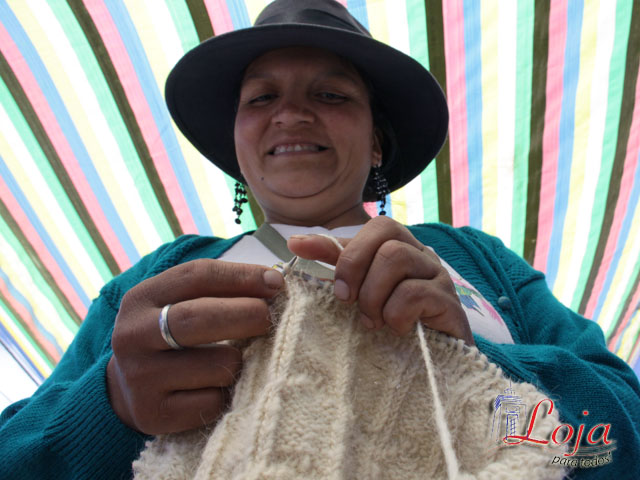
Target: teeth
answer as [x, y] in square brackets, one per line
[295, 148]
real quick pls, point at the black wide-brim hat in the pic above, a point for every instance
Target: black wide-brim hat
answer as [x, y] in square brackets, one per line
[203, 87]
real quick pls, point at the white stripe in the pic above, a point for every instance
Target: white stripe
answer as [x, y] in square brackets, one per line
[597, 117]
[398, 26]
[81, 99]
[507, 42]
[26, 171]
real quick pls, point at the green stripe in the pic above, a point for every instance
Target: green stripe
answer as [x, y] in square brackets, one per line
[51, 155]
[632, 62]
[418, 47]
[524, 71]
[40, 275]
[538, 107]
[182, 16]
[69, 212]
[437, 66]
[200, 18]
[625, 306]
[118, 129]
[97, 50]
[20, 323]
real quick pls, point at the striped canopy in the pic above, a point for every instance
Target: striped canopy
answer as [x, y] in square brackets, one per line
[543, 149]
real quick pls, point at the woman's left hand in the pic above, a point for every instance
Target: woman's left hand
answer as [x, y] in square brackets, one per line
[394, 278]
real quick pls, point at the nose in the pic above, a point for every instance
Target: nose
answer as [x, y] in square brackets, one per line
[292, 112]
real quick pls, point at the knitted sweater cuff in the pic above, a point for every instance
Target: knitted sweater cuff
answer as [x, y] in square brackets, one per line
[87, 427]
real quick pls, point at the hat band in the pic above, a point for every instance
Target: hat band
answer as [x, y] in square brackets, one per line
[313, 17]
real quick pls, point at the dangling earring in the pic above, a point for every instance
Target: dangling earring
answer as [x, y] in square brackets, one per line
[382, 188]
[239, 198]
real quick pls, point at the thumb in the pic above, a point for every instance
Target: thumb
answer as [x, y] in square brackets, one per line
[317, 247]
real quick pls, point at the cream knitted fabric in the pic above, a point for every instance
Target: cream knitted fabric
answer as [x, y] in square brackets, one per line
[324, 398]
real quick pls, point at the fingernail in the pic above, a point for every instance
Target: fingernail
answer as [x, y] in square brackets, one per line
[300, 237]
[366, 321]
[273, 279]
[341, 290]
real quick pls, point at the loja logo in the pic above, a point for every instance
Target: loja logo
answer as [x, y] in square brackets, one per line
[596, 451]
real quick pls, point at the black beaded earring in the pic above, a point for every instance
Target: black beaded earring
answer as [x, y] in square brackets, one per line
[239, 198]
[382, 188]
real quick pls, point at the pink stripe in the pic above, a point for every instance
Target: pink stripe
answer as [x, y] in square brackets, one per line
[343, 2]
[219, 15]
[135, 95]
[633, 307]
[41, 250]
[551, 135]
[453, 18]
[60, 144]
[25, 315]
[371, 208]
[626, 185]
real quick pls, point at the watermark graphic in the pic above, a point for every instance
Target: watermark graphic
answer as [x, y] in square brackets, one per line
[587, 446]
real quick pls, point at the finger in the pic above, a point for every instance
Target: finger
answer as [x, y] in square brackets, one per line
[430, 302]
[354, 261]
[316, 247]
[394, 262]
[208, 320]
[204, 278]
[185, 410]
[198, 368]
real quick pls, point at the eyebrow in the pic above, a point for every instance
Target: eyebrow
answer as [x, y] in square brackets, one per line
[331, 73]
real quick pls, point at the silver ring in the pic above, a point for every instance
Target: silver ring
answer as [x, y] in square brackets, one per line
[164, 329]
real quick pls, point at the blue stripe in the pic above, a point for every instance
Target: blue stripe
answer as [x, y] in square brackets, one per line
[632, 206]
[358, 8]
[15, 293]
[65, 122]
[239, 14]
[159, 111]
[566, 133]
[20, 356]
[473, 78]
[23, 201]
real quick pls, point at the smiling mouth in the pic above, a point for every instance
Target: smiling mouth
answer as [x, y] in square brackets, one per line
[296, 147]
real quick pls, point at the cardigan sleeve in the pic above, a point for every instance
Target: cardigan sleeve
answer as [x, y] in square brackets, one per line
[566, 356]
[67, 429]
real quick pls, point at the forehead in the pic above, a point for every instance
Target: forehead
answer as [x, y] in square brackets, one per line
[307, 58]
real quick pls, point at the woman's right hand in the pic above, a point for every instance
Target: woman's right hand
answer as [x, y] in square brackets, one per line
[154, 389]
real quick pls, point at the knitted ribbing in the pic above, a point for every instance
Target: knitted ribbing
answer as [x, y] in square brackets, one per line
[325, 398]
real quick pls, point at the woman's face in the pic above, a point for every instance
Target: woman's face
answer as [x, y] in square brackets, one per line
[304, 137]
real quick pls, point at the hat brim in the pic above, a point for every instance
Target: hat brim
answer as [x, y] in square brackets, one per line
[201, 92]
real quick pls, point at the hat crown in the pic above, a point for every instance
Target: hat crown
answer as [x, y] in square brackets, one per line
[322, 13]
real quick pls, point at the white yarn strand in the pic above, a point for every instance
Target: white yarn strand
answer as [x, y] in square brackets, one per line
[445, 435]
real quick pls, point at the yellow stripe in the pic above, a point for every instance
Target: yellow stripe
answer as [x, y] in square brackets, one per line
[377, 15]
[23, 343]
[254, 7]
[489, 54]
[624, 273]
[575, 212]
[42, 307]
[82, 105]
[46, 207]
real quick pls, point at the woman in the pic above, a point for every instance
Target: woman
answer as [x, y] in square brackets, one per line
[305, 108]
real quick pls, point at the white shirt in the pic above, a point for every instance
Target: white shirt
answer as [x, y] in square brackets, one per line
[483, 319]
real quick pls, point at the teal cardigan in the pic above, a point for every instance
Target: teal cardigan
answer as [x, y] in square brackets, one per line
[67, 429]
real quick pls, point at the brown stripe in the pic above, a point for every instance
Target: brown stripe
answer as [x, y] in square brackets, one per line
[538, 107]
[437, 66]
[200, 18]
[26, 327]
[624, 127]
[37, 262]
[626, 307]
[52, 156]
[111, 76]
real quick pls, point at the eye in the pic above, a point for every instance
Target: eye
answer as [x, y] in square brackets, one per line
[331, 97]
[261, 99]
